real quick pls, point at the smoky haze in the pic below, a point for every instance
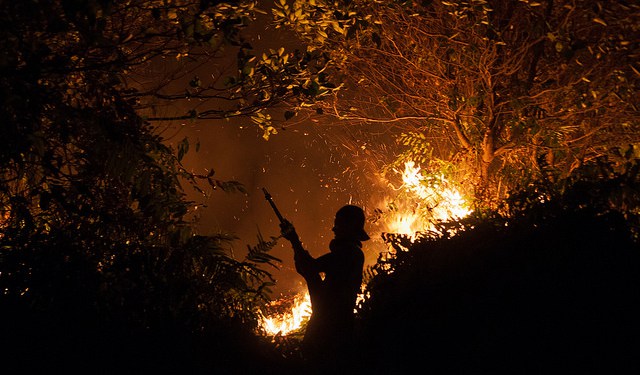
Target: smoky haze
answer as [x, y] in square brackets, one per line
[306, 169]
[311, 168]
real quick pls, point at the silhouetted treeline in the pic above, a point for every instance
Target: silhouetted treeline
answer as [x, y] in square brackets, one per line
[101, 270]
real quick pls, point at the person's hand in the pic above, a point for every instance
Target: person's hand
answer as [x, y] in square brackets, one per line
[288, 231]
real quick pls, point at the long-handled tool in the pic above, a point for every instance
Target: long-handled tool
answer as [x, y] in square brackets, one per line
[273, 205]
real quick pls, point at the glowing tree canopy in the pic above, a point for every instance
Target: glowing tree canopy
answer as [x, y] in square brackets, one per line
[509, 91]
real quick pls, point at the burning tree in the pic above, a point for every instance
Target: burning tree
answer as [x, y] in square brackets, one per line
[508, 91]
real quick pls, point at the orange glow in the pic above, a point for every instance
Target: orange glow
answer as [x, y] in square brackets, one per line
[424, 201]
[419, 202]
[289, 321]
[4, 219]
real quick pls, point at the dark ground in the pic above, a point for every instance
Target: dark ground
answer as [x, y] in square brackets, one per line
[560, 298]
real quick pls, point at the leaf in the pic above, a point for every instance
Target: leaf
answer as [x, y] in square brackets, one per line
[337, 27]
[195, 82]
[289, 114]
[600, 21]
[559, 46]
[183, 148]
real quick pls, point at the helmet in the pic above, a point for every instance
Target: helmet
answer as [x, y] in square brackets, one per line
[350, 222]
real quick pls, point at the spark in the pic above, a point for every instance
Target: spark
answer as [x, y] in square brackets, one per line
[429, 198]
[425, 198]
[289, 321]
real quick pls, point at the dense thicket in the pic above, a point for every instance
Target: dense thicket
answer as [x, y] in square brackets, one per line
[99, 268]
[549, 286]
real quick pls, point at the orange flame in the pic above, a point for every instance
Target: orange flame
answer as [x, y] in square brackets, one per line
[427, 199]
[4, 220]
[284, 323]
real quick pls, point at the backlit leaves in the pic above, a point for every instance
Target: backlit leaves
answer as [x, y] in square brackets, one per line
[498, 86]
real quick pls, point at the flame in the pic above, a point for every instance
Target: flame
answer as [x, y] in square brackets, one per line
[4, 220]
[425, 199]
[289, 321]
[450, 203]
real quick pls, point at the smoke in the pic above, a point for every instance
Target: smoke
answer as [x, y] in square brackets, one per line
[310, 168]
[310, 171]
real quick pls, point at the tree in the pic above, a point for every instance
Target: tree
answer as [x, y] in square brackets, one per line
[195, 55]
[93, 216]
[509, 91]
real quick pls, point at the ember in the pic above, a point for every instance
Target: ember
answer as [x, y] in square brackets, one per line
[423, 200]
[287, 314]
[419, 201]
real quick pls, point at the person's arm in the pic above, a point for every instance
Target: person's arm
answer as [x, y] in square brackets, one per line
[304, 262]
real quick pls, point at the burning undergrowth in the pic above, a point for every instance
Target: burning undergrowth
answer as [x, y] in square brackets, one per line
[502, 299]
[287, 315]
[418, 202]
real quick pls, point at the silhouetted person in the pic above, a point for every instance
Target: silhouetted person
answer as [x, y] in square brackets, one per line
[334, 281]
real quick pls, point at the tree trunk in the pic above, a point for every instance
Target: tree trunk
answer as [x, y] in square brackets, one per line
[488, 154]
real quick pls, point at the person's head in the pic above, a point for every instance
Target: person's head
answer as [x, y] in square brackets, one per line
[349, 223]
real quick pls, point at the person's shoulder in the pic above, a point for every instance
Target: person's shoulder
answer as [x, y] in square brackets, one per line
[360, 254]
[356, 250]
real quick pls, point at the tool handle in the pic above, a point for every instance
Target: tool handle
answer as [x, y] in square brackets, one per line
[273, 205]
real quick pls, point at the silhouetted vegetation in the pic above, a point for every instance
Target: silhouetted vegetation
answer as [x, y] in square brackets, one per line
[101, 272]
[550, 285]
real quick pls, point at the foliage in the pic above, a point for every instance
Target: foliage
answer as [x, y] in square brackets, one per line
[96, 253]
[533, 288]
[194, 57]
[511, 91]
